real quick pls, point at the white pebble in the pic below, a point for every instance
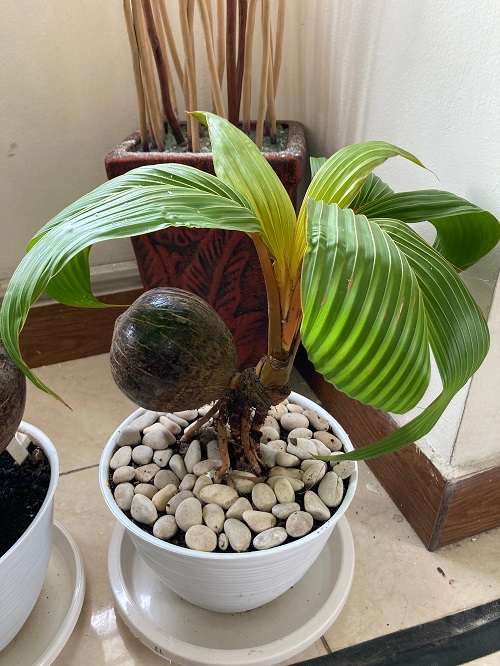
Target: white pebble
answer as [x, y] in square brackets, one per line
[176, 464]
[162, 497]
[297, 484]
[121, 457]
[145, 473]
[284, 491]
[291, 421]
[205, 466]
[145, 420]
[158, 439]
[329, 440]
[189, 513]
[143, 510]
[331, 490]
[188, 414]
[213, 450]
[302, 448]
[223, 542]
[145, 489]
[202, 411]
[321, 448]
[238, 534]
[174, 502]
[268, 434]
[305, 433]
[315, 506]
[277, 445]
[317, 421]
[165, 528]
[166, 477]
[170, 425]
[294, 409]
[202, 538]
[282, 511]
[161, 458]
[193, 455]
[237, 509]
[124, 493]
[123, 474]
[188, 482]
[284, 459]
[299, 524]
[201, 482]
[344, 468]
[286, 471]
[241, 482]
[216, 493]
[177, 419]
[277, 411]
[263, 497]
[258, 521]
[268, 455]
[128, 436]
[271, 422]
[314, 473]
[213, 517]
[142, 455]
[270, 538]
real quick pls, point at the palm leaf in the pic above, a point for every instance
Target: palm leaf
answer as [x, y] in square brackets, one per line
[458, 333]
[465, 232]
[58, 258]
[364, 323]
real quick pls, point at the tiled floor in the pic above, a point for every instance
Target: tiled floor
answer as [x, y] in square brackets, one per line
[397, 582]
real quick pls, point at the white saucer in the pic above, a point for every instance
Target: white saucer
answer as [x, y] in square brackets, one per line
[57, 609]
[192, 636]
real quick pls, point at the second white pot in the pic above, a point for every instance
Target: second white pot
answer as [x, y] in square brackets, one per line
[229, 582]
[24, 566]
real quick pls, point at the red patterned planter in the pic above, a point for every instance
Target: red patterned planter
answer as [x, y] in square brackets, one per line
[220, 266]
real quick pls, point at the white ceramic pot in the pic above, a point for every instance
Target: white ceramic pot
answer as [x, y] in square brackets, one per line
[229, 582]
[23, 568]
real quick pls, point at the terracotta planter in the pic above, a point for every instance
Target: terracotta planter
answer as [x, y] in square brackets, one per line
[220, 266]
[228, 582]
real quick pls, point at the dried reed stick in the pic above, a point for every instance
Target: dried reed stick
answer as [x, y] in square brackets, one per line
[240, 63]
[185, 15]
[266, 43]
[231, 74]
[280, 30]
[163, 45]
[171, 41]
[141, 102]
[161, 71]
[271, 108]
[221, 31]
[214, 79]
[157, 129]
[247, 70]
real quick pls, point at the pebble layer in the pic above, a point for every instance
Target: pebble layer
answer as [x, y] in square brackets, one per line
[167, 487]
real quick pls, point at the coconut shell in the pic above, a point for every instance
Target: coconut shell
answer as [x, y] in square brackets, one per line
[171, 351]
[12, 397]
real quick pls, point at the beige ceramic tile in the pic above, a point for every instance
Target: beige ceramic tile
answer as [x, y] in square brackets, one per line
[490, 660]
[397, 582]
[97, 408]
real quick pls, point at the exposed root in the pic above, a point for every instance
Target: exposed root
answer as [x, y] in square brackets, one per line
[195, 427]
[251, 452]
[223, 448]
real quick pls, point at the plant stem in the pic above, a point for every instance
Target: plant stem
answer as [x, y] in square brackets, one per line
[247, 60]
[274, 345]
[279, 43]
[214, 79]
[271, 109]
[185, 12]
[263, 72]
[161, 71]
[141, 102]
[171, 41]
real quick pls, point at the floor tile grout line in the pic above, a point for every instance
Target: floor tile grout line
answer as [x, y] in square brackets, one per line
[79, 469]
[325, 645]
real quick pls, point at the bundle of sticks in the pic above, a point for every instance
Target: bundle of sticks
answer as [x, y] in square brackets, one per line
[228, 28]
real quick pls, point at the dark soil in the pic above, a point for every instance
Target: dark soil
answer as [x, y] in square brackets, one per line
[23, 489]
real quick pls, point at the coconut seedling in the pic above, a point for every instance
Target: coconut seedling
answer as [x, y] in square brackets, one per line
[12, 398]
[368, 297]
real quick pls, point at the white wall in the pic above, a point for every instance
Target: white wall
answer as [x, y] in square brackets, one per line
[424, 75]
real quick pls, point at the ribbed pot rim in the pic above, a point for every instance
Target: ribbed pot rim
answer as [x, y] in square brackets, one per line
[172, 548]
[50, 451]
